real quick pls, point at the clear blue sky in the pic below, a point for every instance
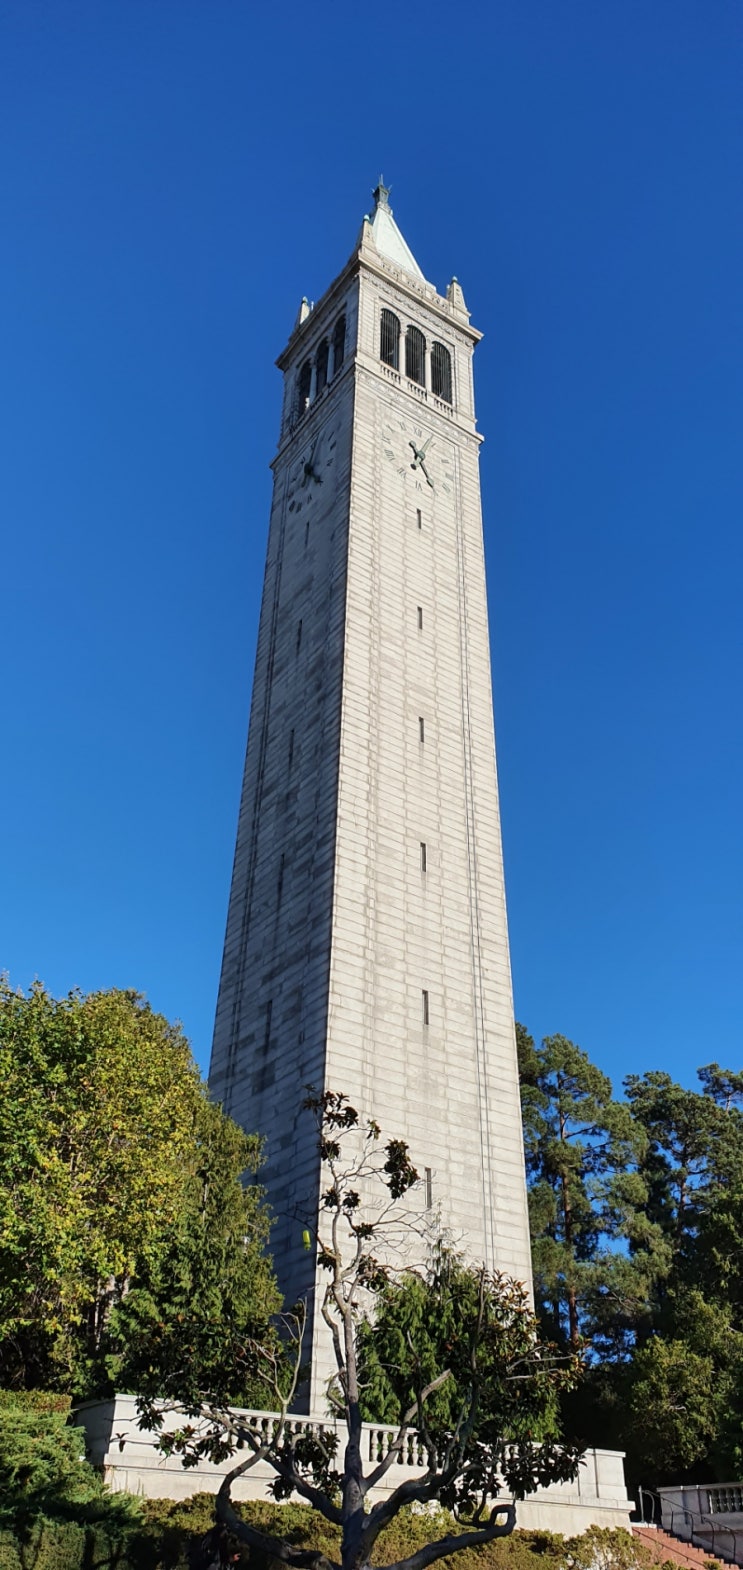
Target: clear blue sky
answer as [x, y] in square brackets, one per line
[175, 175]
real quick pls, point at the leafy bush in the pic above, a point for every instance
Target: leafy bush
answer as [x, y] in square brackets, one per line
[165, 1531]
[170, 1526]
[45, 1545]
[35, 1401]
[55, 1513]
[42, 1465]
[606, 1548]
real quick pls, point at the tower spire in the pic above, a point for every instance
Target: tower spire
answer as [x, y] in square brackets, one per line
[381, 195]
[386, 235]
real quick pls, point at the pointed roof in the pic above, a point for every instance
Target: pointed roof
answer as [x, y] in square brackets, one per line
[387, 236]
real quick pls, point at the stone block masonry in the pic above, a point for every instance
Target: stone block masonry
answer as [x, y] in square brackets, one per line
[367, 945]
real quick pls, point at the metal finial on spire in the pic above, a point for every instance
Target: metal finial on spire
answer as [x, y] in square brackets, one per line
[381, 194]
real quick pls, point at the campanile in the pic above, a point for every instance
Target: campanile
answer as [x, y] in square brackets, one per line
[366, 947]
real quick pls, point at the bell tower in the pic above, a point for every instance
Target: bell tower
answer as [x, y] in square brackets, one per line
[366, 947]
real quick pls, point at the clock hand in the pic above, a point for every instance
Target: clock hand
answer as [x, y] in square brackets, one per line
[420, 453]
[428, 477]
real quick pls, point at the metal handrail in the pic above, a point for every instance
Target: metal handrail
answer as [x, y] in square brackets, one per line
[642, 1495]
[690, 1517]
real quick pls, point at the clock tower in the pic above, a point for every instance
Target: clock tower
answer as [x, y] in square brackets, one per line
[366, 947]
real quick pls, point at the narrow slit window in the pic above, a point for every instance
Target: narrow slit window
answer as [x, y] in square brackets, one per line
[304, 383]
[299, 637]
[415, 356]
[339, 343]
[424, 857]
[426, 1011]
[429, 1188]
[419, 517]
[389, 340]
[290, 759]
[280, 884]
[322, 365]
[267, 1035]
[306, 533]
[421, 728]
[420, 618]
[441, 372]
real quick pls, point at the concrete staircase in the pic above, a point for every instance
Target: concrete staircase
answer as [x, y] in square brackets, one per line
[664, 1546]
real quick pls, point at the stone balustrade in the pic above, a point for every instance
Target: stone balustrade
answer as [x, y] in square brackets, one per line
[130, 1461]
[707, 1514]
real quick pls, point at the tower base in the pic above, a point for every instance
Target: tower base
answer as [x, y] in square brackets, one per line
[131, 1463]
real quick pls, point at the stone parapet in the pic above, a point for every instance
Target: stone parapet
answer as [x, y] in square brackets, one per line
[130, 1462]
[709, 1515]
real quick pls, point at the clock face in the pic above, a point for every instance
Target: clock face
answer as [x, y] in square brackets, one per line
[312, 474]
[419, 457]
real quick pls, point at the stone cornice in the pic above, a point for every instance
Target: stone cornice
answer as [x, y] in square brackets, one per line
[304, 330]
[368, 258]
[423, 294]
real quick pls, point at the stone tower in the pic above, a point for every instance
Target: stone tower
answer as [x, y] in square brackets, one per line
[366, 947]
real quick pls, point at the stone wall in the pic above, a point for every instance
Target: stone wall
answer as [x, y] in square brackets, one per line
[130, 1462]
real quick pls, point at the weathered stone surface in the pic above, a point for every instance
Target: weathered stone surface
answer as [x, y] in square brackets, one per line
[371, 733]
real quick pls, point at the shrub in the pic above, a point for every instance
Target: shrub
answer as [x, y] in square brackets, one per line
[607, 1548]
[42, 1401]
[42, 1464]
[55, 1513]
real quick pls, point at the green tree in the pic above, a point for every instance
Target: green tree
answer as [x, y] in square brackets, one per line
[637, 1234]
[425, 1321]
[106, 1139]
[594, 1250]
[681, 1127]
[672, 1416]
[464, 1394]
[199, 1303]
[693, 1168]
[724, 1085]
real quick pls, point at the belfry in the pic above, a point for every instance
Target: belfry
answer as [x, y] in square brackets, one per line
[367, 947]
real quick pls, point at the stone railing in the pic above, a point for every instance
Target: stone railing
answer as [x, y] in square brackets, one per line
[709, 1515]
[443, 407]
[130, 1461]
[725, 1498]
[378, 1440]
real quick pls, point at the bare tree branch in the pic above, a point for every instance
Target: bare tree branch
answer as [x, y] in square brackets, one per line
[456, 1542]
[488, 1350]
[397, 1445]
[277, 1547]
